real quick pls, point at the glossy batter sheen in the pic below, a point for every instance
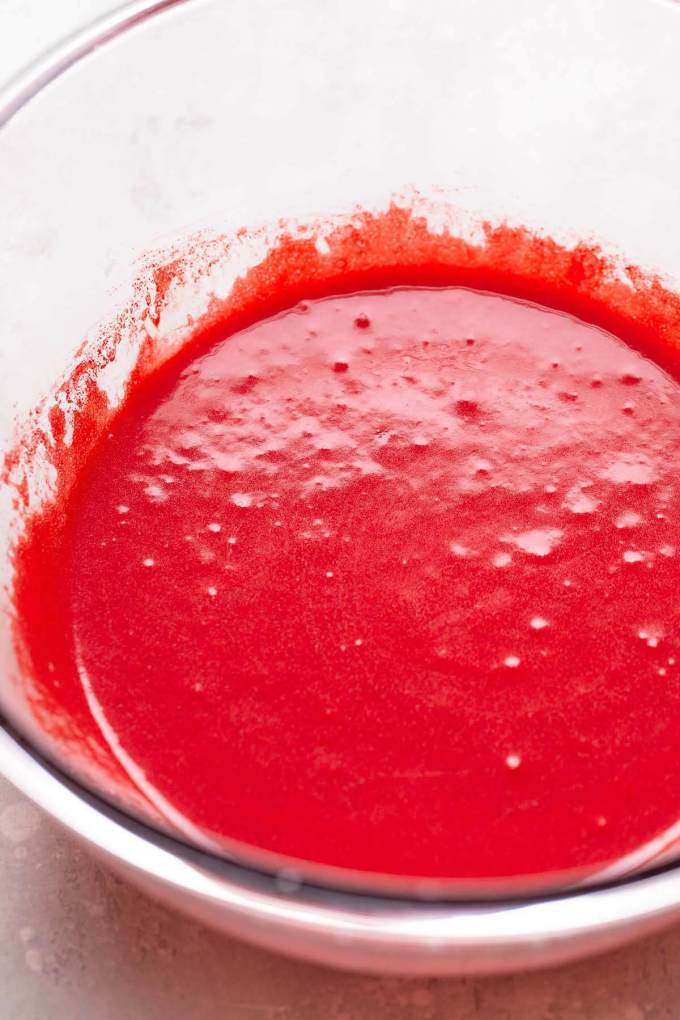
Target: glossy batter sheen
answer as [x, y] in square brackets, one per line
[390, 582]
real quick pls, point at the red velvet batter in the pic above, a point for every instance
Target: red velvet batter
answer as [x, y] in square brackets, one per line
[389, 582]
[493, 720]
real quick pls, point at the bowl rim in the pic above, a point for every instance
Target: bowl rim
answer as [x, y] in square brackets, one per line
[49, 65]
[53, 61]
[156, 858]
[378, 920]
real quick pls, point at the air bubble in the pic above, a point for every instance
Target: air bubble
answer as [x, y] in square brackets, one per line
[651, 634]
[537, 542]
[458, 550]
[633, 556]
[579, 502]
[502, 559]
[628, 519]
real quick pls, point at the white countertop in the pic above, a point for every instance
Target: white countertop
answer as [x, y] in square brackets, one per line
[75, 942]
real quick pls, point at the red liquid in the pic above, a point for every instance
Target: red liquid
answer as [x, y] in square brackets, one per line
[389, 582]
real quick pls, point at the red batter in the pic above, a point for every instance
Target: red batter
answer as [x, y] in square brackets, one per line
[390, 582]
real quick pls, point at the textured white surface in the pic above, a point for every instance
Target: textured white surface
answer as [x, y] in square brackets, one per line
[76, 942]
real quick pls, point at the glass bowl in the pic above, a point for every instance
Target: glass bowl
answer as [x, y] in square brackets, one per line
[152, 159]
